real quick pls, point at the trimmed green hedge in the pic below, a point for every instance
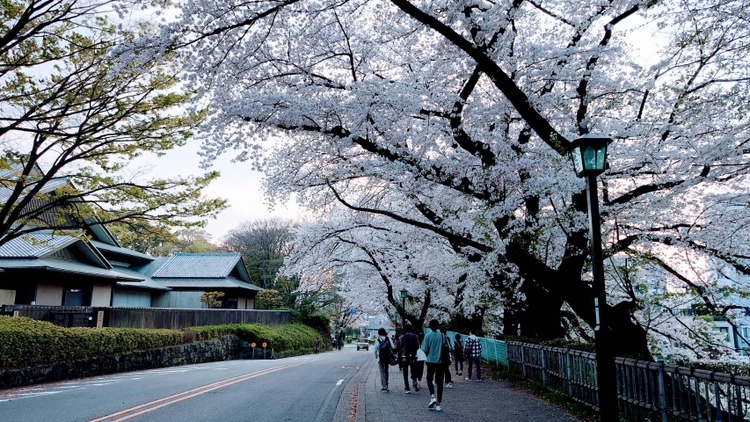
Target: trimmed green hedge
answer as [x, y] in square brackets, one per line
[27, 342]
[284, 340]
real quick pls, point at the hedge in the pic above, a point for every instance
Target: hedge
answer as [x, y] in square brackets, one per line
[26, 342]
[284, 340]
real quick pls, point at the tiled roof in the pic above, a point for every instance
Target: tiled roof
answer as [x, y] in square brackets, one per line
[120, 251]
[50, 186]
[208, 283]
[198, 266]
[35, 245]
[146, 284]
[57, 265]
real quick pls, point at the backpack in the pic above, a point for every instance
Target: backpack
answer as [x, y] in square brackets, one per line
[445, 352]
[384, 350]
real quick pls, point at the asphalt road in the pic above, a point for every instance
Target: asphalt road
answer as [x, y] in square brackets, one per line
[304, 388]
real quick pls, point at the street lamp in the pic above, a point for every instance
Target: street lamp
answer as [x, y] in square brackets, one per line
[404, 295]
[589, 154]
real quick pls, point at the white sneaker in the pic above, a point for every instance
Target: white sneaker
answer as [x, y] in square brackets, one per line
[438, 408]
[449, 385]
[467, 379]
[433, 403]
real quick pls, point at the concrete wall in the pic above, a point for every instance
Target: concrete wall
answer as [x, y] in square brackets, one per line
[49, 294]
[7, 297]
[131, 299]
[101, 295]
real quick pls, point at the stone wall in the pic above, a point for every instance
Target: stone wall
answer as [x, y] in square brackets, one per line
[227, 348]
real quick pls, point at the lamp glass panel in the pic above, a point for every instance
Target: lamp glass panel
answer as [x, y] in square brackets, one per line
[589, 158]
[577, 161]
[601, 157]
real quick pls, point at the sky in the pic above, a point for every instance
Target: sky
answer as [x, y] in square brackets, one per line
[240, 185]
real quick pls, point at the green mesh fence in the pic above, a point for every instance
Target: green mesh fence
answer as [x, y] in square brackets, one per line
[493, 351]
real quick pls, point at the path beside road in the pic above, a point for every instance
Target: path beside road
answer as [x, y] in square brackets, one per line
[362, 401]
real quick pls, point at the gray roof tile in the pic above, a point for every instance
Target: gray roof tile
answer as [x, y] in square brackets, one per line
[198, 266]
[57, 265]
[35, 245]
[208, 283]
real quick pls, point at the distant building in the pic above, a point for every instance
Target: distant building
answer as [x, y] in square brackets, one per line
[374, 323]
[84, 265]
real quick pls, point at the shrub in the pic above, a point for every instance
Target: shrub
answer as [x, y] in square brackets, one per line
[26, 342]
[284, 340]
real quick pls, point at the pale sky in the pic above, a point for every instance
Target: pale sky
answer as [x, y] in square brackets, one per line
[240, 185]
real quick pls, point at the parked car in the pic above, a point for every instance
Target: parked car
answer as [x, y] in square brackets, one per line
[363, 343]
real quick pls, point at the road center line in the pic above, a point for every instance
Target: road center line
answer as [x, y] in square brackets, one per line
[176, 398]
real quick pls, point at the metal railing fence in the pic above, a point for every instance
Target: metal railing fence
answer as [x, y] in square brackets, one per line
[647, 391]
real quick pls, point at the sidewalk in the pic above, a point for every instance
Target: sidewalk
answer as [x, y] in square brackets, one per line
[362, 401]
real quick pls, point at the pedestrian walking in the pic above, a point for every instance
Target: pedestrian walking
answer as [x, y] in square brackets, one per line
[473, 353]
[342, 337]
[395, 340]
[383, 349]
[458, 356]
[419, 372]
[432, 346]
[408, 353]
[447, 359]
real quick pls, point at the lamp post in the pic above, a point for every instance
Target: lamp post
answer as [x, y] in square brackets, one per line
[589, 154]
[404, 295]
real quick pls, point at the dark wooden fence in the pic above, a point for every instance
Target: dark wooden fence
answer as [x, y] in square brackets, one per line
[83, 316]
[183, 318]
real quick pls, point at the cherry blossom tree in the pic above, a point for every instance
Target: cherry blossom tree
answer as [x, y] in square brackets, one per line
[454, 118]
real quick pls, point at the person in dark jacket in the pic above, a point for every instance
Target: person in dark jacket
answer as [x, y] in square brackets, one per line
[458, 355]
[408, 353]
[383, 348]
[447, 369]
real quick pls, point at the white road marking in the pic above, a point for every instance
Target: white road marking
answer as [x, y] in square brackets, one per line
[340, 381]
[41, 393]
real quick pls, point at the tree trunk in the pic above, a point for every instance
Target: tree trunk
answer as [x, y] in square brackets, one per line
[565, 285]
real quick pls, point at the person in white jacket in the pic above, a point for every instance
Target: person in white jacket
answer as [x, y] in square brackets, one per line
[383, 351]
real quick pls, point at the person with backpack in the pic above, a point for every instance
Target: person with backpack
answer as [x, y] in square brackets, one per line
[408, 353]
[473, 352]
[383, 350]
[435, 347]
